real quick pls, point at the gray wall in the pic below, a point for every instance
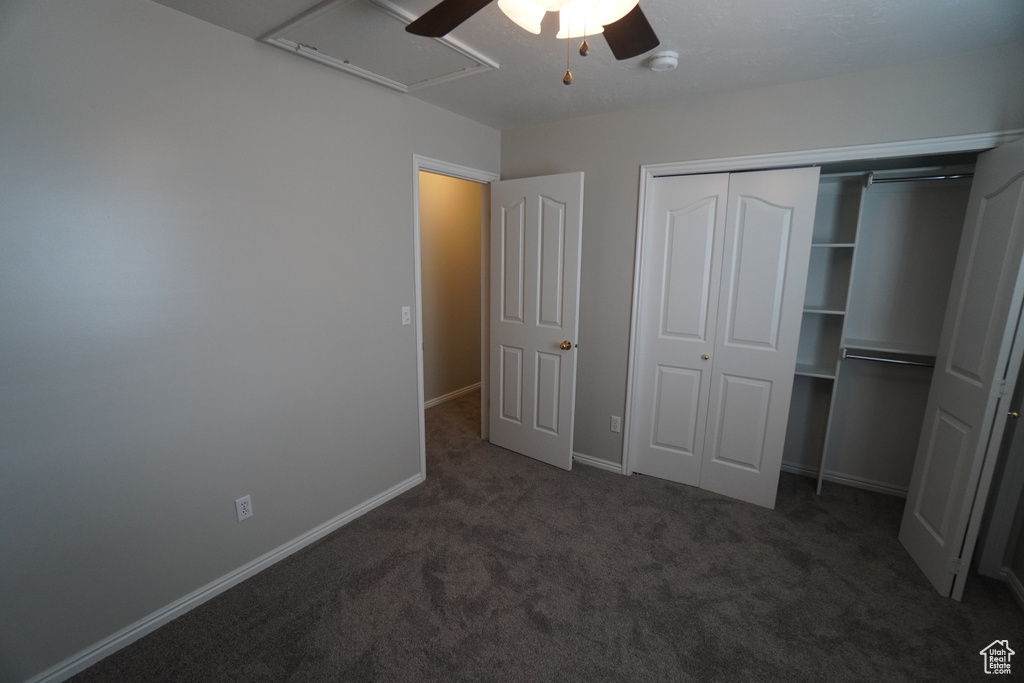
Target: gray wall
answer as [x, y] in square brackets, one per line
[205, 244]
[971, 93]
[451, 219]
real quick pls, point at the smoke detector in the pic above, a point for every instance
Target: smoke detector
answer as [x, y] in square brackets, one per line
[663, 61]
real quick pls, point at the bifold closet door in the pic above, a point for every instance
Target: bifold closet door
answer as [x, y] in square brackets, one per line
[979, 356]
[684, 229]
[769, 221]
[723, 270]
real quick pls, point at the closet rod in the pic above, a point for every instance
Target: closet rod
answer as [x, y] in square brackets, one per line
[951, 176]
[899, 359]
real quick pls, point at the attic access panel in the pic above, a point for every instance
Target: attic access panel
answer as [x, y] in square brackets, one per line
[367, 38]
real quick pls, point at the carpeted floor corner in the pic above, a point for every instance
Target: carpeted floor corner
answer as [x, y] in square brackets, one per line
[499, 568]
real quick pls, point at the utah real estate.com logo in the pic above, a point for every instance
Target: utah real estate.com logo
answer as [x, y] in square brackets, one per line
[997, 657]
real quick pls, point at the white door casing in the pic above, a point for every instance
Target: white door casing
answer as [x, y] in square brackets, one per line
[976, 363]
[724, 267]
[536, 225]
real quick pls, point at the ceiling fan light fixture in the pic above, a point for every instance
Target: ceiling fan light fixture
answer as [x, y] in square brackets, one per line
[525, 13]
[576, 18]
[580, 18]
[607, 12]
[575, 21]
[550, 5]
[624, 25]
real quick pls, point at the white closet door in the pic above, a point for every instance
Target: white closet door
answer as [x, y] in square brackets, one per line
[965, 414]
[723, 271]
[768, 230]
[681, 266]
[536, 225]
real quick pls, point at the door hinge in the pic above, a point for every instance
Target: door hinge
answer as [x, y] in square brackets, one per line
[999, 389]
[956, 565]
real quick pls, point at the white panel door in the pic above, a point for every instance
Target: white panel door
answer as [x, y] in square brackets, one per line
[681, 266]
[767, 247]
[963, 418]
[536, 225]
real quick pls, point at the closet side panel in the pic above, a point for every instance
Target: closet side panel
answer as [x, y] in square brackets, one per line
[878, 413]
[906, 252]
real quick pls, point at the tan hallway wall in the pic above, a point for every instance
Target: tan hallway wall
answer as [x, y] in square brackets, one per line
[451, 215]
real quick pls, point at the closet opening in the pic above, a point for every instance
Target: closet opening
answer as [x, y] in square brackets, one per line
[885, 241]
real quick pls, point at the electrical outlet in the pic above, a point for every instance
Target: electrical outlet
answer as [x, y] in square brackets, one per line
[616, 424]
[243, 506]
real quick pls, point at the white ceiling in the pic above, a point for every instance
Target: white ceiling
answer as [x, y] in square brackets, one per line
[724, 45]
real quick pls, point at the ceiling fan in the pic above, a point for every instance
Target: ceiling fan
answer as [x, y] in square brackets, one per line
[628, 33]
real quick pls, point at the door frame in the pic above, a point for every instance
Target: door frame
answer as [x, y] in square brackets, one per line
[422, 163]
[998, 541]
[814, 157]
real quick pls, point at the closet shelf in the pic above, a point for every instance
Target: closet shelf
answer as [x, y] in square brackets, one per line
[823, 372]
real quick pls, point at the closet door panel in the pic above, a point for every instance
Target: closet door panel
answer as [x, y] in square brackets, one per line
[677, 396]
[757, 265]
[681, 266]
[742, 408]
[963, 419]
[689, 246]
[767, 247]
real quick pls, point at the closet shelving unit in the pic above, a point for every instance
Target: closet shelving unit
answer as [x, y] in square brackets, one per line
[880, 268]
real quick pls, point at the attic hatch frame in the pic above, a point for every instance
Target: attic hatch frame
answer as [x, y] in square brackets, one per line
[276, 37]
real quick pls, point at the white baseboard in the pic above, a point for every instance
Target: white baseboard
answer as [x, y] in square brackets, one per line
[451, 395]
[107, 646]
[848, 480]
[599, 463]
[1016, 587]
[800, 469]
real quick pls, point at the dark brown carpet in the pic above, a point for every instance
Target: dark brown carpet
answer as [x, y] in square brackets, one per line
[501, 568]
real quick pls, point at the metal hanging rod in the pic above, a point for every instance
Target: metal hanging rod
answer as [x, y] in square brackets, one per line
[889, 357]
[878, 181]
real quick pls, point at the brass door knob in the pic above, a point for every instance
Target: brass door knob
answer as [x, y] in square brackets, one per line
[705, 357]
[1014, 414]
[566, 345]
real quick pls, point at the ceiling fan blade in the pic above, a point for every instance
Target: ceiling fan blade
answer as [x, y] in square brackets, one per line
[631, 35]
[445, 16]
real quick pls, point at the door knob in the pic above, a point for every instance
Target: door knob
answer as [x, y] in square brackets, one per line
[566, 345]
[705, 357]
[1014, 414]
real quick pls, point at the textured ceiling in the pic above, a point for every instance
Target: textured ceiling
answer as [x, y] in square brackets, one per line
[724, 45]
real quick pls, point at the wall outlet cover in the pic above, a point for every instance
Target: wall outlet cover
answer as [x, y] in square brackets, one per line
[243, 507]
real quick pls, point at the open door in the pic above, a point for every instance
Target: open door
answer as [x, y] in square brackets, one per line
[978, 358]
[535, 264]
